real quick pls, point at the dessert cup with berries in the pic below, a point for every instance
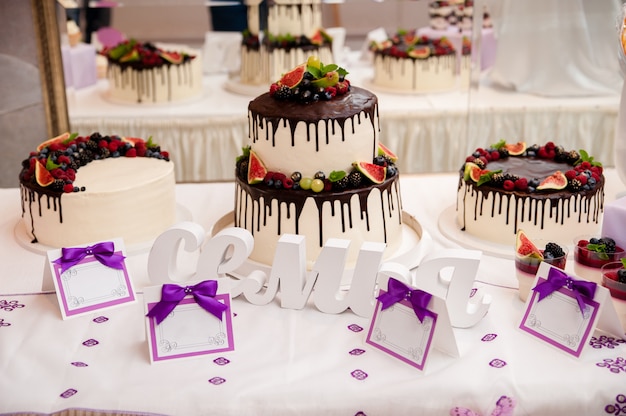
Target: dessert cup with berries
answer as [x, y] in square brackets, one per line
[591, 253]
[529, 255]
[614, 278]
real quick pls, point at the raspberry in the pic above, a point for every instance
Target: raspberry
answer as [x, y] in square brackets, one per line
[582, 179]
[508, 185]
[131, 152]
[521, 184]
[63, 159]
[68, 187]
[165, 154]
[542, 153]
[103, 143]
[585, 165]
[331, 90]
[288, 183]
[570, 174]
[550, 146]
[328, 185]
[495, 155]
[273, 88]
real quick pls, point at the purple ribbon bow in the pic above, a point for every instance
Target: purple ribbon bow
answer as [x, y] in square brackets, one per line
[557, 279]
[203, 293]
[398, 291]
[103, 252]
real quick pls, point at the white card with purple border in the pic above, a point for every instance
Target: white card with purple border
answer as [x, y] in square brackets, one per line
[188, 330]
[398, 332]
[558, 321]
[89, 285]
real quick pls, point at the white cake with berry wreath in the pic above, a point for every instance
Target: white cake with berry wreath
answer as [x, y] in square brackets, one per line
[81, 189]
[146, 73]
[547, 191]
[293, 32]
[314, 166]
[410, 63]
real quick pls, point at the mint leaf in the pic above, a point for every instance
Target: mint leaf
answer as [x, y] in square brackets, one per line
[500, 144]
[316, 72]
[486, 177]
[336, 175]
[50, 164]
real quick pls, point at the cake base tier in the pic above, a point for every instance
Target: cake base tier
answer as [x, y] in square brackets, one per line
[24, 240]
[451, 230]
[107, 96]
[415, 243]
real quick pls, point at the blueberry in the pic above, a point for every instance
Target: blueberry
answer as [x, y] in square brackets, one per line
[278, 184]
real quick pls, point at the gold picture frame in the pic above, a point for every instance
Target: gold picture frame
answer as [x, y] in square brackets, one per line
[46, 25]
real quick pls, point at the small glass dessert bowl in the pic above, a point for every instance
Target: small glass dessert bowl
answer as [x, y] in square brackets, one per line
[614, 278]
[591, 253]
[527, 264]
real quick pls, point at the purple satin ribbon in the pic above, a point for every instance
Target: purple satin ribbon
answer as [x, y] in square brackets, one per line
[558, 278]
[398, 291]
[203, 293]
[103, 252]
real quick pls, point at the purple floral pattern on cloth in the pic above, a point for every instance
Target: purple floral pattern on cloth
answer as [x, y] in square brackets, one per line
[90, 342]
[221, 361]
[100, 319]
[356, 351]
[617, 408]
[2, 323]
[79, 364]
[68, 393]
[489, 337]
[217, 381]
[359, 374]
[504, 407]
[10, 305]
[614, 365]
[355, 328]
[497, 363]
[604, 341]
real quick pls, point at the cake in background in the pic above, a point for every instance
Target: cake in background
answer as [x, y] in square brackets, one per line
[409, 63]
[293, 32]
[457, 14]
[150, 73]
[314, 166]
[80, 189]
[549, 192]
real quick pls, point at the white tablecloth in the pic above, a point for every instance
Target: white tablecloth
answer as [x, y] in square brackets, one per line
[204, 136]
[287, 362]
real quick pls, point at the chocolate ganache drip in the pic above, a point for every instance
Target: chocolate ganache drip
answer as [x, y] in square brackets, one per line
[340, 112]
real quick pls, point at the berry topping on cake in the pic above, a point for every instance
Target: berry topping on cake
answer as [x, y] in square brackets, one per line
[53, 166]
[310, 82]
[143, 55]
[575, 171]
[406, 44]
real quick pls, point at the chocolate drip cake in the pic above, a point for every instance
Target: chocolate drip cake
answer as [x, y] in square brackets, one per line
[545, 190]
[314, 166]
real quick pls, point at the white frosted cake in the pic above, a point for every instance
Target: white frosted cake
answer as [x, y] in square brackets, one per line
[409, 63]
[314, 167]
[146, 73]
[76, 190]
[294, 32]
[547, 191]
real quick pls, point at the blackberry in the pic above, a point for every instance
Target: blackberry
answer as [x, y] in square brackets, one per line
[621, 275]
[609, 244]
[57, 185]
[342, 183]
[479, 163]
[104, 152]
[91, 145]
[575, 185]
[504, 152]
[283, 93]
[355, 178]
[510, 176]
[572, 157]
[497, 179]
[554, 249]
[242, 169]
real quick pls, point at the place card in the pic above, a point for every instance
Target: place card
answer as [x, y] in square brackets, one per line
[90, 277]
[564, 311]
[407, 323]
[188, 321]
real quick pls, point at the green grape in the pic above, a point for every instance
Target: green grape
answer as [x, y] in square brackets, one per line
[317, 185]
[305, 183]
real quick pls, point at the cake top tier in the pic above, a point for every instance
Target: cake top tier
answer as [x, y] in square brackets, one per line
[136, 55]
[52, 168]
